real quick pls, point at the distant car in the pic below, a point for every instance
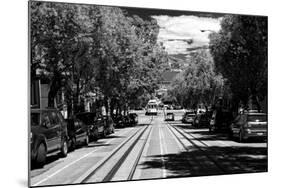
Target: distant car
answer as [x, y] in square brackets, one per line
[109, 125]
[48, 135]
[249, 125]
[184, 117]
[201, 120]
[95, 123]
[78, 133]
[189, 118]
[220, 121]
[133, 119]
[170, 116]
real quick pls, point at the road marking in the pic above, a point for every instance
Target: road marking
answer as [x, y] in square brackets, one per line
[162, 153]
[177, 141]
[70, 164]
[137, 174]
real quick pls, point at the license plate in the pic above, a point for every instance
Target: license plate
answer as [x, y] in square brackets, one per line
[260, 134]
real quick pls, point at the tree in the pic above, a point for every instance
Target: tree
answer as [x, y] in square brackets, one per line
[240, 55]
[61, 46]
[198, 83]
[56, 30]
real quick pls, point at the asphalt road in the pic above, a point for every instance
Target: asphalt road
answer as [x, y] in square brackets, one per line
[154, 149]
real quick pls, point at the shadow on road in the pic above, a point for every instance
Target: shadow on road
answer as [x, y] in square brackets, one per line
[51, 160]
[204, 135]
[194, 163]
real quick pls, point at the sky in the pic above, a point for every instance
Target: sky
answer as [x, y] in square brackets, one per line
[179, 34]
[181, 31]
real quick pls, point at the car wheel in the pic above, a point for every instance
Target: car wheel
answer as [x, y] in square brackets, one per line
[241, 139]
[41, 155]
[64, 148]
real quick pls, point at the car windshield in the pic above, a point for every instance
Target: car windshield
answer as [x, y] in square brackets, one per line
[35, 119]
[253, 118]
[87, 118]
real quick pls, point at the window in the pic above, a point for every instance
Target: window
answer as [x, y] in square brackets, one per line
[35, 119]
[257, 118]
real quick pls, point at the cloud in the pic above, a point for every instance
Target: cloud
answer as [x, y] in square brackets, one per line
[173, 30]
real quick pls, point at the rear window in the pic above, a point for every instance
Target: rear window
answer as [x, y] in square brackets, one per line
[151, 106]
[35, 119]
[255, 118]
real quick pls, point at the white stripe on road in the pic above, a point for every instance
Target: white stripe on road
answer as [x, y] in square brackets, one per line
[70, 164]
[137, 174]
[164, 173]
[177, 141]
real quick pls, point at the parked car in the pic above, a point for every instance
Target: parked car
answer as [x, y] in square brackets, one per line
[48, 135]
[78, 133]
[133, 119]
[201, 120]
[109, 125]
[170, 116]
[184, 117]
[220, 121]
[249, 125]
[189, 118]
[119, 121]
[95, 124]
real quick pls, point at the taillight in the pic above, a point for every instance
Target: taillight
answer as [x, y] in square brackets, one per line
[31, 136]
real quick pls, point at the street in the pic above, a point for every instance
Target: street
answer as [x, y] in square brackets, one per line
[153, 149]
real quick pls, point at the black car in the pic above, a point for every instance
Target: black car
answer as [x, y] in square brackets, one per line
[201, 120]
[119, 121]
[48, 135]
[133, 119]
[78, 133]
[220, 121]
[94, 122]
[109, 124]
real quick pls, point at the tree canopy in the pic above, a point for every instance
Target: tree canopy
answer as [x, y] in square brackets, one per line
[88, 48]
[240, 55]
[198, 83]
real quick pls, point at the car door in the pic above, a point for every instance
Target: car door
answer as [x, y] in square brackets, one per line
[49, 131]
[79, 130]
[56, 129]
